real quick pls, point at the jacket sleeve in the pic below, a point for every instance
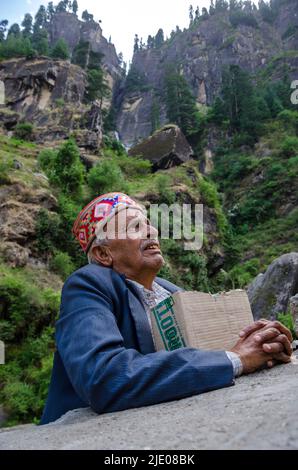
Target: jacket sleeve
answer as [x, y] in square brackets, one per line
[107, 376]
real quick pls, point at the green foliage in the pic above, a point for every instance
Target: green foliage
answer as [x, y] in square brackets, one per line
[62, 265]
[287, 320]
[105, 177]
[60, 102]
[136, 81]
[166, 194]
[5, 166]
[24, 131]
[181, 104]
[289, 119]
[25, 315]
[188, 271]
[97, 86]
[65, 169]
[133, 166]
[15, 47]
[80, 54]
[60, 50]
[289, 147]
[240, 17]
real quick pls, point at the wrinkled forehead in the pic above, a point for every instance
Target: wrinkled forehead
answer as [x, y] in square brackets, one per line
[128, 216]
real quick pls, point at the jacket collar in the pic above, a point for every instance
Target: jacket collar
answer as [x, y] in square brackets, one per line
[139, 314]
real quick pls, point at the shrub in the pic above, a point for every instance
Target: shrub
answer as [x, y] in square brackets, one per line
[105, 177]
[287, 320]
[241, 17]
[46, 161]
[289, 147]
[133, 166]
[24, 131]
[5, 166]
[62, 265]
[60, 102]
[68, 172]
[166, 194]
[60, 50]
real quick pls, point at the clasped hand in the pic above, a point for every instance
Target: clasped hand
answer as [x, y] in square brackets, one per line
[265, 343]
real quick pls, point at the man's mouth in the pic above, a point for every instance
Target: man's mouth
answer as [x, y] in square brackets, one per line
[152, 247]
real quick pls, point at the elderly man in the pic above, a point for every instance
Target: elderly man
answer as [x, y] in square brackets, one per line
[105, 355]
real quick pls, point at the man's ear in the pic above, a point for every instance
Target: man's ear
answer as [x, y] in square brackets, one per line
[102, 255]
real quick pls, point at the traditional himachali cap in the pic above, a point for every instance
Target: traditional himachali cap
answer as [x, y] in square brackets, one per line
[97, 213]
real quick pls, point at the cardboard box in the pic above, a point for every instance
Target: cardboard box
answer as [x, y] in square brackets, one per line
[201, 321]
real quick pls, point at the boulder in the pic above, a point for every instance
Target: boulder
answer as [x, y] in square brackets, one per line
[294, 311]
[270, 293]
[166, 148]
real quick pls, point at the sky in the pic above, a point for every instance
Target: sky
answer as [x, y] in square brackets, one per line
[121, 19]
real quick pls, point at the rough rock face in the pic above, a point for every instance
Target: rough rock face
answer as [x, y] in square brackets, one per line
[166, 148]
[49, 93]
[294, 311]
[259, 412]
[68, 26]
[270, 293]
[201, 52]
[34, 85]
[19, 206]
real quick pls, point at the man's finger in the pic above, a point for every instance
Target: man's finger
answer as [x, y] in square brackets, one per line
[282, 357]
[263, 323]
[266, 335]
[283, 329]
[273, 348]
[287, 345]
[258, 325]
[271, 364]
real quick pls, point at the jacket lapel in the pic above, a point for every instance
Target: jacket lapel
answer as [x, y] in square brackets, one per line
[142, 325]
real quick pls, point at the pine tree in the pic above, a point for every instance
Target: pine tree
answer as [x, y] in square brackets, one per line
[197, 14]
[136, 43]
[75, 7]
[240, 102]
[180, 102]
[159, 38]
[69, 172]
[86, 16]
[41, 42]
[27, 24]
[14, 30]
[62, 6]
[60, 50]
[40, 18]
[50, 11]
[191, 17]
[3, 28]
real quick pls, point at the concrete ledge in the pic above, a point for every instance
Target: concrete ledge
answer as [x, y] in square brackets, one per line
[259, 412]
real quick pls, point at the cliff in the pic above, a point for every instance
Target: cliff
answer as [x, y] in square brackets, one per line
[68, 27]
[49, 94]
[259, 412]
[201, 52]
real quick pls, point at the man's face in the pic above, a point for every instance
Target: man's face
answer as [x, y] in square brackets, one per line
[133, 244]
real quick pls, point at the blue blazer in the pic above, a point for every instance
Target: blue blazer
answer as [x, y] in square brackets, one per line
[105, 356]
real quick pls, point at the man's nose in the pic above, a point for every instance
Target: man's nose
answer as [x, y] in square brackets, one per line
[152, 232]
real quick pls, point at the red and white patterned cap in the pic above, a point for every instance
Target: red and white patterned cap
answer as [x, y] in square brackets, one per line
[101, 209]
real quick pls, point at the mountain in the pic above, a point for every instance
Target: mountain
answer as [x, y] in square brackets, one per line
[200, 53]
